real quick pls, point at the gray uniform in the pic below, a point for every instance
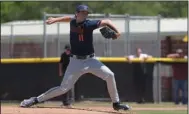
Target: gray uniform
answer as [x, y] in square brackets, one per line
[78, 67]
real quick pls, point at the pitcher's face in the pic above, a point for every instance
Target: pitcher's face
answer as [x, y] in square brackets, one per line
[82, 15]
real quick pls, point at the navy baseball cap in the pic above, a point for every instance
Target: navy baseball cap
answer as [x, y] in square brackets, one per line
[82, 8]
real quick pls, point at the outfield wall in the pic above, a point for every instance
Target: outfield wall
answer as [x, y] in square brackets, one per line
[32, 77]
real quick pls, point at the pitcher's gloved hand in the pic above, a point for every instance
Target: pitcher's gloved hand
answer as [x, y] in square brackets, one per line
[108, 33]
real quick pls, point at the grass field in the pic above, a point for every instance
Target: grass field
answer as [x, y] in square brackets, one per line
[91, 107]
[161, 112]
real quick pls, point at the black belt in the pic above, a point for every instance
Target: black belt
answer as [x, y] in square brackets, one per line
[82, 57]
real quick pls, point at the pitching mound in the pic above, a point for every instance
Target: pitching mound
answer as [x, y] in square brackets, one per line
[84, 108]
[59, 110]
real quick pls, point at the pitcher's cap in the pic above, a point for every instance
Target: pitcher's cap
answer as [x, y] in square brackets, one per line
[82, 8]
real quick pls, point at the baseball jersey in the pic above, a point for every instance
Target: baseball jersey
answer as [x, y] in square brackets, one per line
[81, 36]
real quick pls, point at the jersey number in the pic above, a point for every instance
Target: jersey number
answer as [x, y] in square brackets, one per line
[81, 37]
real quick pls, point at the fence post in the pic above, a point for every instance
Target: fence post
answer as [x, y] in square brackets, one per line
[58, 39]
[159, 55]
[44, 36]
[105, 42]
[109, 41]
[126, 45]
[11, 41]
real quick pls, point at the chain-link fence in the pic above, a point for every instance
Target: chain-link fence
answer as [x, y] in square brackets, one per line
[41, 40]
[23, 40]
[36, 39]
[20, 41]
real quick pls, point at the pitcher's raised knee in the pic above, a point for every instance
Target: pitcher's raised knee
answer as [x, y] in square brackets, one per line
[110, 75]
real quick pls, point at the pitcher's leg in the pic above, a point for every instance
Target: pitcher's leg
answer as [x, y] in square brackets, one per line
[106, 74]
[67, 83]
[103, 72]
[51, 93]
[73, 72]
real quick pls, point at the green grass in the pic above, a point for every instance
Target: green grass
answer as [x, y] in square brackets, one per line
[161, 112]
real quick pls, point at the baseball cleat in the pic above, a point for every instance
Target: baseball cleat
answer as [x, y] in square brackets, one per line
[118, 106]
[28, 102]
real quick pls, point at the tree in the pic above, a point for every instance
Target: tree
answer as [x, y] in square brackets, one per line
[34, 10]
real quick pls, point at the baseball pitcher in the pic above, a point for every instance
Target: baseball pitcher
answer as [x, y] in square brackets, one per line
[82, 58]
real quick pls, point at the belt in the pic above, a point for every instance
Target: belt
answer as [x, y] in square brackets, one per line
[82, 57]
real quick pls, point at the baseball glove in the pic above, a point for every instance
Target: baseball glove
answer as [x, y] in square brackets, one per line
[108, 33]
